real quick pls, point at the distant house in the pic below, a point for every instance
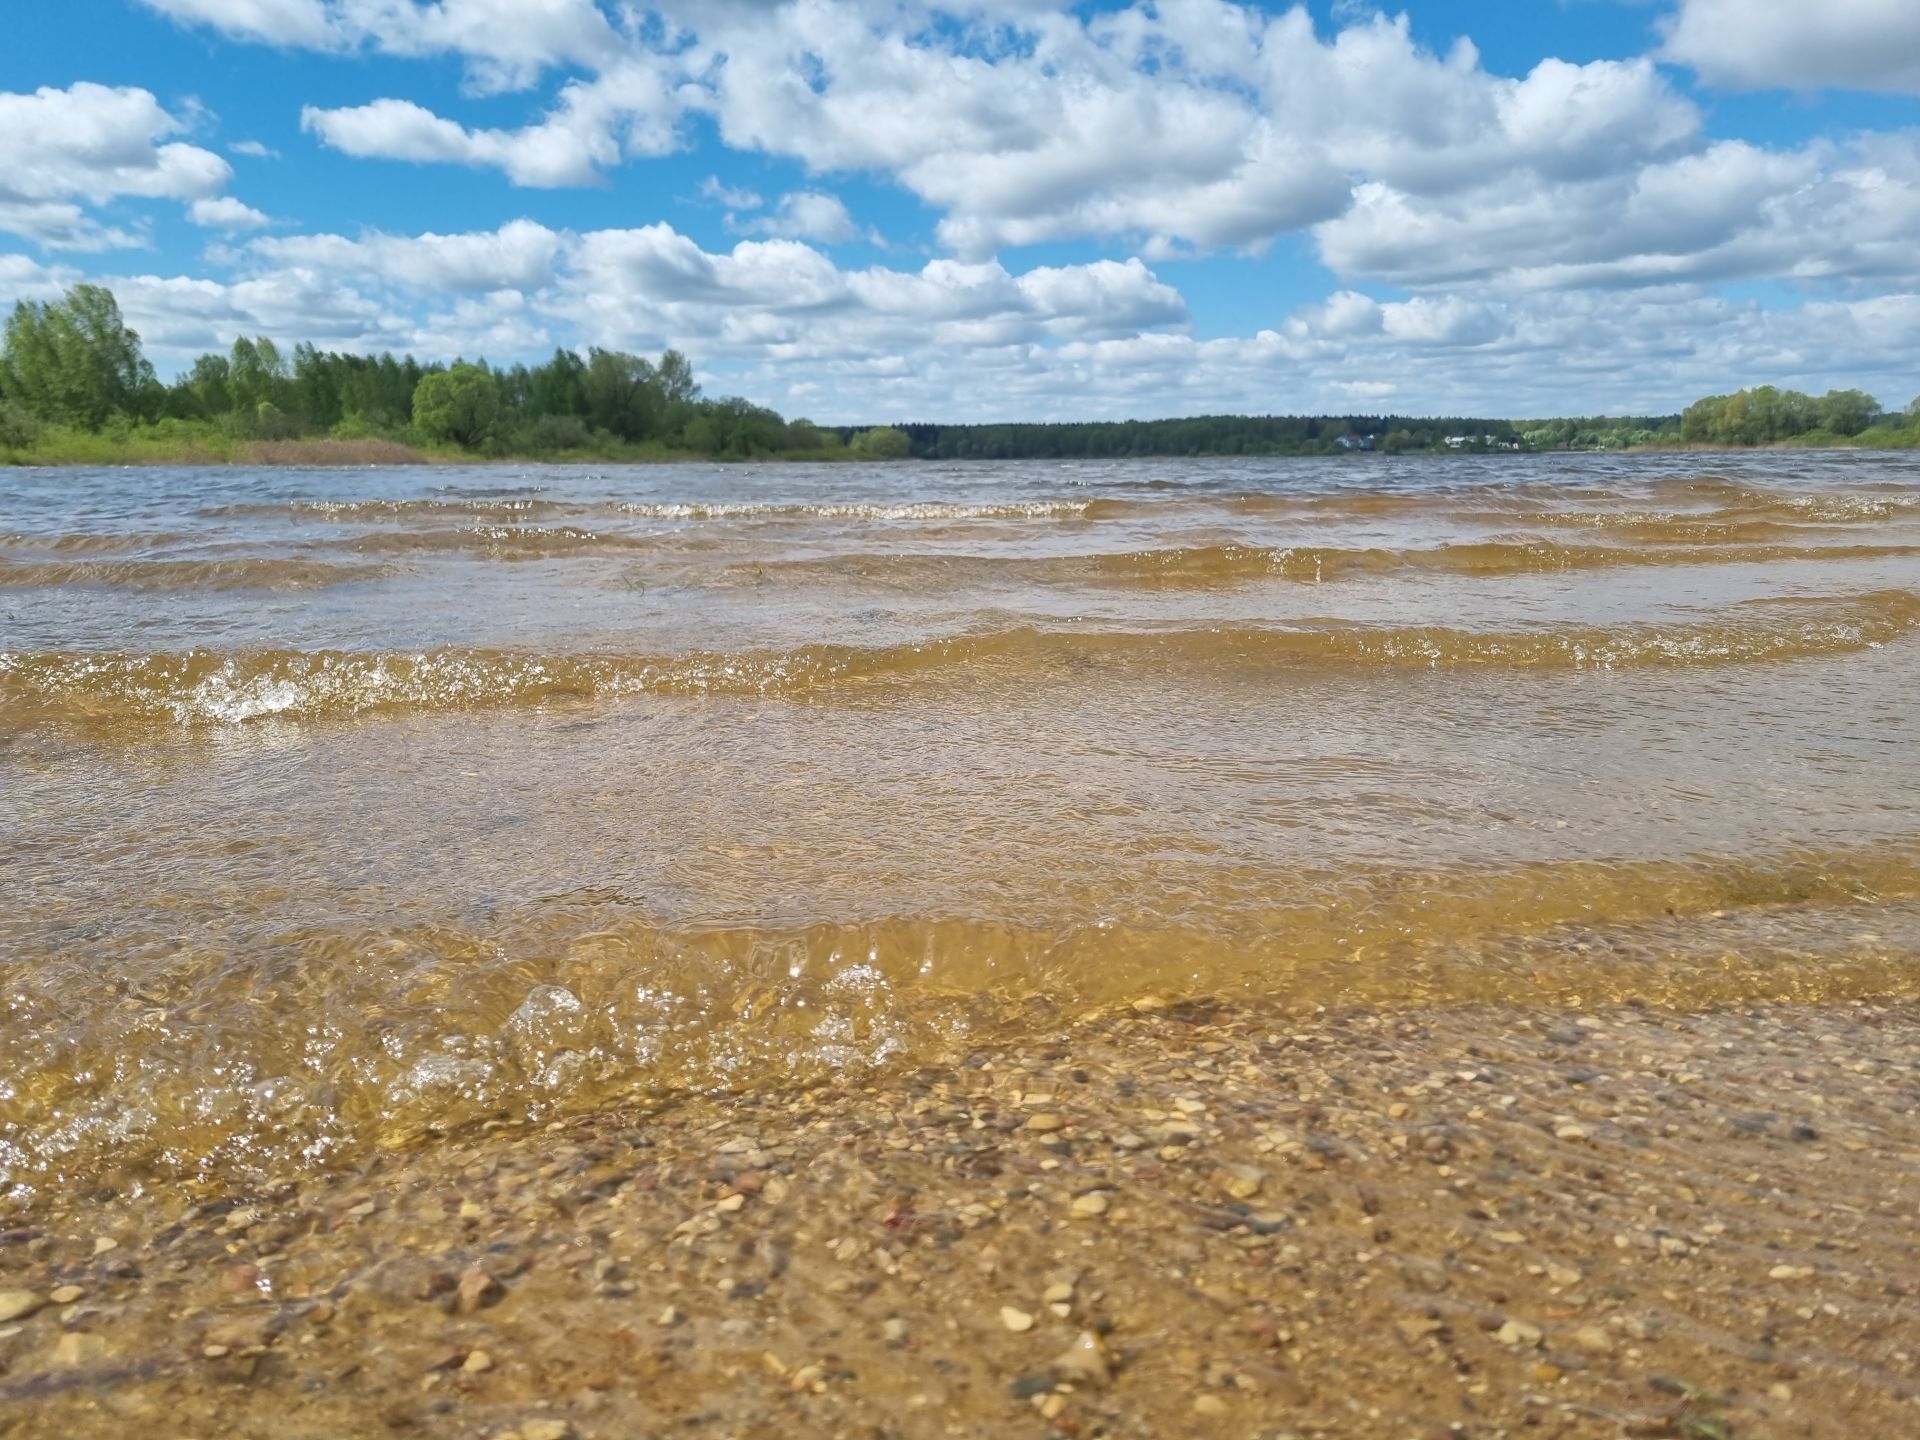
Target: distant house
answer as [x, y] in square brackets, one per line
[1354, 442]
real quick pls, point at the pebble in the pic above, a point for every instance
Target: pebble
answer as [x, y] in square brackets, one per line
[104, 1244]
[77, 1348]
[477, 1289]
[1084, 1362]
[1569, 1131]
[953, 1147]
[239, 1279]
[1242, 1182]
[1520, 1335]
[1593, 1340]
[18, 1304]
[1046, 1121]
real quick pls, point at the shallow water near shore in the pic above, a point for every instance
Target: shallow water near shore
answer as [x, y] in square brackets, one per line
[342, 807]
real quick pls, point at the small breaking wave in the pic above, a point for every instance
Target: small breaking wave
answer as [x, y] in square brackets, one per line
[314, 1042]
[206, 686]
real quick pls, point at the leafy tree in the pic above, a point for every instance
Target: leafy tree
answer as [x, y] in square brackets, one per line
[557, 388]
[882, 443]
[207, 380]
[1847, 412]
[675, 376]
[74, 360]
[623, 394]
[256, 374]
[551, 434]
[460, 405]
[18, 429]
[1764, 414]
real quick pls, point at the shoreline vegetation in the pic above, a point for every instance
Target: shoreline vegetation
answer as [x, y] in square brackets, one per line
[76, 389]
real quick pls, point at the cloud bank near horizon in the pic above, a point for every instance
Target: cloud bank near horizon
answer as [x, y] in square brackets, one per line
[1016, 208]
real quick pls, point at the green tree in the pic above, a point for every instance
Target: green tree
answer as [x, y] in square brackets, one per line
[256, 375]
[208, 382]
[460, 405]
[556, 387]
[675, 376]
[882, 443]
[1847, 412]
[623, 394]
[74, 361]
[18, 429]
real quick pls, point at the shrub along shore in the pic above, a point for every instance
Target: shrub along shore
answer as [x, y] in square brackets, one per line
[76, 389]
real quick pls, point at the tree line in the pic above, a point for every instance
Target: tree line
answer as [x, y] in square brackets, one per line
[73, 368]
[1207, 435]
[73, 365]
[1765, 415]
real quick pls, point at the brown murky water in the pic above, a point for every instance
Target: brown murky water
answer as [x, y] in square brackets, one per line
[340, 806]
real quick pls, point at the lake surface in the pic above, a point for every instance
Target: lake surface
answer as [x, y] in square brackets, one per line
[340, 805]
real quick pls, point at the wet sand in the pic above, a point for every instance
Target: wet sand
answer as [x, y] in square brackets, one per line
[1461, 1221]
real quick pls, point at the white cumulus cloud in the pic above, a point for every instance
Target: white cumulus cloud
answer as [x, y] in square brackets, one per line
[507, 44]
[518, 256]
[1754, 45]
[223, 212]
[88, 145]
[806, 215]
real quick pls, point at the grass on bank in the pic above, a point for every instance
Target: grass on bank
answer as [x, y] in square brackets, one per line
[188, 443]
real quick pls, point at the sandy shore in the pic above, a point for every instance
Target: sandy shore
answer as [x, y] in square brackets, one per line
[1473, 1222]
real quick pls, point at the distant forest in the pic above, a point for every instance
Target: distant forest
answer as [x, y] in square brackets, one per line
[1763, 416]
[75, 386]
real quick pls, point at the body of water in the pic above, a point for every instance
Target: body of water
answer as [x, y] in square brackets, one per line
[340, 805]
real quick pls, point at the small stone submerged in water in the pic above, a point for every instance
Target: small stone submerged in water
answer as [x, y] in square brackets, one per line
[18, 1304]
[971, 1219]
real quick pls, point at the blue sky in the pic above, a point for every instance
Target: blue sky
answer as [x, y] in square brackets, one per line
[889, 209]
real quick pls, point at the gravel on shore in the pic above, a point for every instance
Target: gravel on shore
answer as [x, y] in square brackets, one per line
[1445, 1222]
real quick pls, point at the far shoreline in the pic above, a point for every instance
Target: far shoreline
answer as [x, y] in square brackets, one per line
[368, 454]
